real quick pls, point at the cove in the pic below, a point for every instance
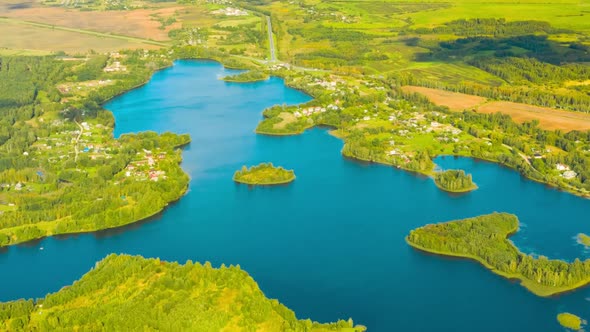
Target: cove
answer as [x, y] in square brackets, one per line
[329, 245]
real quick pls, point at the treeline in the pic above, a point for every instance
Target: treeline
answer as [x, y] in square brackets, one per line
[485, 239]
[454, 180]
[497, 27]
[525, 70]
[131, 293]
[533, 95]
[539, 47]
[321, 32]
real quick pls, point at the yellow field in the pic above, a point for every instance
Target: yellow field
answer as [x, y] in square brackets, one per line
[453, 100]
[549, 118]
[26, 37]
[138, 23]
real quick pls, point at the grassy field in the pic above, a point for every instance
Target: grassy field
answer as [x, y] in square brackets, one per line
[566, 14]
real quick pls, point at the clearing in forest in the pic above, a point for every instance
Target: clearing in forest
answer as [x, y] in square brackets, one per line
[549, 118]
[455, 101]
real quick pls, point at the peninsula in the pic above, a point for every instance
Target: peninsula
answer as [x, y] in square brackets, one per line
[485, 239]
[264, 174]
[129, 293]
[248, 76]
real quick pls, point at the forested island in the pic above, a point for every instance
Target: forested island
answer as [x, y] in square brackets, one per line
[584, 239]
[485, 239]
[570, 321]
[248, 76]
[455, 181]
[264, 174]
[132, 293]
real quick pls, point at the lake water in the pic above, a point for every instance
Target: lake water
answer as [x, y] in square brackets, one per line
[331, 244]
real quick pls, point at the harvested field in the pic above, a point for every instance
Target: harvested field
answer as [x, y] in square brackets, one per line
[549, 118]
[453, 100]
[19, 36]
[139, 23]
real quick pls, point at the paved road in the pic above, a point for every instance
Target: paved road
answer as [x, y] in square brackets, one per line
[271, 42]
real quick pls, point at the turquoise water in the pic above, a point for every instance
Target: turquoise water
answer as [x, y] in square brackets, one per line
[331, 244]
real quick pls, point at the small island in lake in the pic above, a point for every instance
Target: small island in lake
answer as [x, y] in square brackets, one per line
[249, 76]
[485, 239]
[456, 181]
[584, 239]
[264, 174]
[570, 321]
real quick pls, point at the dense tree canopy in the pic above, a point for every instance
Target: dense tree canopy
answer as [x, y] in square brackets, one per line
[454, 181]
[484, 238]
[131, 293]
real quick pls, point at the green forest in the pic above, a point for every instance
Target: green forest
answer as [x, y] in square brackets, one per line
[485, 239]
[132, 293]
[264, 174]
[454, 181]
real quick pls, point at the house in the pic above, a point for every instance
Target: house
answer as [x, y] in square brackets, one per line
[562, 167]
[19, 186]
[568, 175]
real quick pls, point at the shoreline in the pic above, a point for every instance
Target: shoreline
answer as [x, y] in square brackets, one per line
[183, 192]
[460, 191]
[228, 79]
[542, 291]
[268, 184]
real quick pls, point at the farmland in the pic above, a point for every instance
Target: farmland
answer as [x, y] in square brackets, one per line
[453, 100]
[79, 29]
[549, 118]
[139, 23]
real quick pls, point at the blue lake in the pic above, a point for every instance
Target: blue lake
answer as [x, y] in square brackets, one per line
[331, 244]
